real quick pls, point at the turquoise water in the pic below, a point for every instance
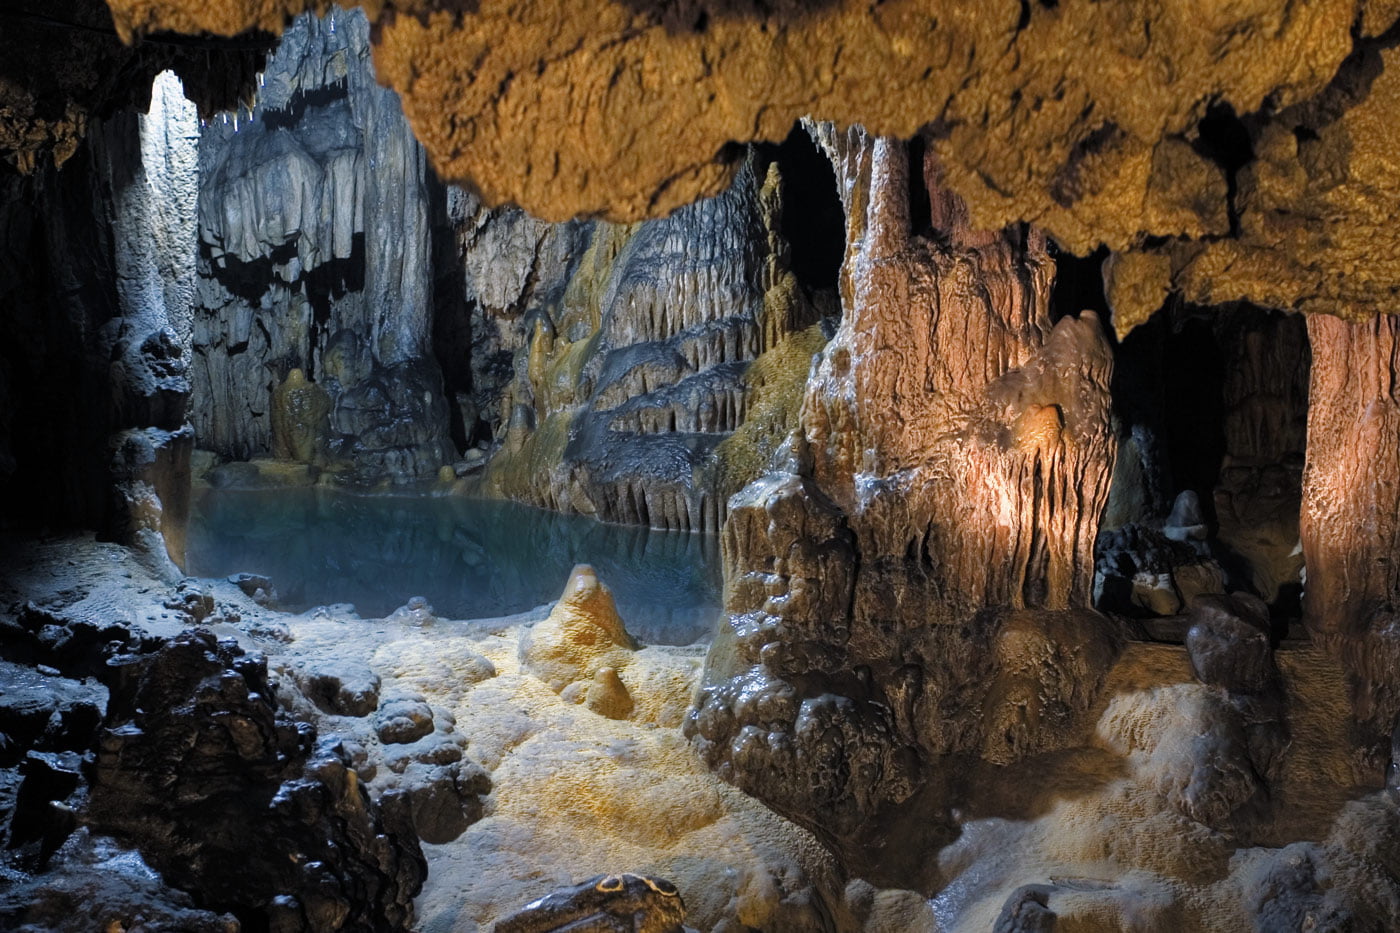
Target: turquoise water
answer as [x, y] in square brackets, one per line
[469, 558]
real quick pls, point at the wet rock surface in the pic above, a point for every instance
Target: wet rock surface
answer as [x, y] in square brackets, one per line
[307, 344]
[198, 718]
[626, 903]
[96, 884]
[859, 572]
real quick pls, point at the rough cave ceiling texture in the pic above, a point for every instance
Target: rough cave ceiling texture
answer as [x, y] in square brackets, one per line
[64, 68]
[1112, 123]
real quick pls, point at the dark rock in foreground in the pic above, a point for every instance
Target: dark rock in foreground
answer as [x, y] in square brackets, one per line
[200, 769]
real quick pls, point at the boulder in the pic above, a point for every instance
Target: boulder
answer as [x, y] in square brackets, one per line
[1229, 645]
[625, 903]
[199, 767]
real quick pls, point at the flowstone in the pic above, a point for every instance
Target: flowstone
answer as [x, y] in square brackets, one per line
[954, 455]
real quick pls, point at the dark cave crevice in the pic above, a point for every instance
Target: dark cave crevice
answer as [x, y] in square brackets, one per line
[1214, 401]
[1079, 284]
[1223, 137]
[813, 223]
[452, 318]
[1194, 422]
[920, 205]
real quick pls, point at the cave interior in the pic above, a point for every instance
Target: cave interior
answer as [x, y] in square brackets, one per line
[699, 466]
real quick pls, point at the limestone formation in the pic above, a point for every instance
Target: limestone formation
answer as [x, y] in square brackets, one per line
[1350, 519]
[636, 360]
[62, 75]
[1229, 155]
[582, 636]
[299, 419]
[1259, 493]
[95, 282]
[954, 455]
[315, 258]
[198, 767]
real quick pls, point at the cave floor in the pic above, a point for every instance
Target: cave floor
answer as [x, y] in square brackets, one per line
[576, 793]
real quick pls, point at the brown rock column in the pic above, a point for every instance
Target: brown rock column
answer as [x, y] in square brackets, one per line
[1350, 521]
[956, 428]
[954, 459]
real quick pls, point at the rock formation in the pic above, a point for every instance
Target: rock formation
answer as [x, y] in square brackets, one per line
[968, 539]
[637, 352]
[952, 463]
[199, 768]
[626, 902]
[315, 256]
[1351, 514]
[1206, 150]
[96, 281]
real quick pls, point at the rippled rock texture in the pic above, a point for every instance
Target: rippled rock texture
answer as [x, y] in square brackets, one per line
[315, 260]
[914, 579]
[1251, 137]
[1351, 514]
[638, 353]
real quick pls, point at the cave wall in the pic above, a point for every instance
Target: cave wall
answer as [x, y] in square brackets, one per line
[931, 525]
[95, 282]
[315, 254]
[620, 363]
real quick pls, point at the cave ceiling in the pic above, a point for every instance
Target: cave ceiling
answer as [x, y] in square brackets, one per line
[1223, 151]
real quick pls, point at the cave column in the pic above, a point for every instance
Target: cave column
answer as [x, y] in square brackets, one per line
[939, 504]
[953, 424]
[1350, 522]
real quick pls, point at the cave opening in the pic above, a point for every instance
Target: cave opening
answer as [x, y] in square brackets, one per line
[1078, 283]
[1213, 410]
[1195, 409]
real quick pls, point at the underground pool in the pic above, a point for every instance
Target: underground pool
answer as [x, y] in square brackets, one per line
[468, 558]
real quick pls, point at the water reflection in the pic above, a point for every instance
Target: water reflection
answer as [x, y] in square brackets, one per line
[469, 558]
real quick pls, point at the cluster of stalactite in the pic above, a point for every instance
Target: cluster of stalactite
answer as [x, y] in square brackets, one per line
[945, 489]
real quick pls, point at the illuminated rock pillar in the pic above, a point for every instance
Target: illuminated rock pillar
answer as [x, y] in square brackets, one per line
[936, 515]
[1350, 523]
